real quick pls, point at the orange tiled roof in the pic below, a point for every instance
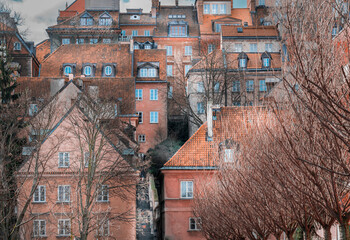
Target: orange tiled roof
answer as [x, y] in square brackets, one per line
[261, 31]
[232, 123]
[43, 50]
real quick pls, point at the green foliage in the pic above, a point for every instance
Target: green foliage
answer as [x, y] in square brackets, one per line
[7, 81]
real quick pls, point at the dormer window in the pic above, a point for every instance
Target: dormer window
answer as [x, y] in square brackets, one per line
[242, 60]
[108, 70]
[136, 46]
[178, 29]
[105, 20]
[148, 46]
[148, 72]
[17, 46]
[68, 68]
[266, 60]
[86, 20]
[148, 69]
[88, 70]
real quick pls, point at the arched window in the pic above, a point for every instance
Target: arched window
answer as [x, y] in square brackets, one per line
[68, 70]
[242, 60]
[108, 71]
[87, 71]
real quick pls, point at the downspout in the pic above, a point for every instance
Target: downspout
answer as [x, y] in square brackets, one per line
[225, 75]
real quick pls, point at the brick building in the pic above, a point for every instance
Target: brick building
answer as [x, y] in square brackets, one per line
[194, 165]
[58, 197]
[21, 52]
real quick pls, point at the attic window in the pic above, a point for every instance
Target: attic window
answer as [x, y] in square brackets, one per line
[134, 17]
[86, 20]
[239, 30]
[177, 16]
[17, 46]
[105, 20]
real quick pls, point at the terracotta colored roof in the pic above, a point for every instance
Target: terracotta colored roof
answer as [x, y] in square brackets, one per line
[232, 123]
[261, 31]
[145, 19]
[43, 50]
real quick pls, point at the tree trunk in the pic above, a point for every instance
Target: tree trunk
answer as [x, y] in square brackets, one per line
[344, 231]
[327, 233]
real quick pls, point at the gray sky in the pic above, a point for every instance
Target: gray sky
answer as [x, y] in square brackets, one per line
[39, 14]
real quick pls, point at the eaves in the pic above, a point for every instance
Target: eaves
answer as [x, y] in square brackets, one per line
[252, 37]
[190, 168]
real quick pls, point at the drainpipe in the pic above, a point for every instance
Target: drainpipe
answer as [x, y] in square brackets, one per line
[210, 120]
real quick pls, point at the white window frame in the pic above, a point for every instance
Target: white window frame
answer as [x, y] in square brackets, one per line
[242, 62]
[138, 94]
[200, 108]
[33, 108]
[153, 94]
[186, 189]
[236, 86]
[101, 230]
[108, 70]
[249, 87]
[141, 138]
[228, 157]
[147, 46]
[39, 195]
[102, 194]
[238, 47]
[223, 8]
[93, 40]
[169, 70]
[170, 92]
[214, 8]
[140, 114]
[206, 9]
[41, 226]
[86, 72]
[196, 224]
[65, 159]
[262, 85]
[66, 73]
[147, 33]
[253, 47]
[106, 40]
[63, 197]
[169, 50]
[266, 62]
[87, 158]
[65, 41]
[105, 21]
[154, 117]
[268, 47]
[188, 50]
[17, 46]
[65, 222]
[151, 72]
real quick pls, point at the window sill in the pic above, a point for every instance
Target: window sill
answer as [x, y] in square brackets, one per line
[153, 123]
[188, 198]
[103, 201]
[58, 202]
[63, 167]
[193, 230]
[63, 236]
[39, 202]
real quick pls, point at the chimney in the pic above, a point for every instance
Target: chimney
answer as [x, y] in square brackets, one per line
[70, 77]
[210, 120]
[56, 85]
[199, 6]
[176, 3]
[155, 7]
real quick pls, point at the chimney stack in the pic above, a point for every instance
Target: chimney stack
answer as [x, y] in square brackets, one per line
[210, 120]
[70, 77]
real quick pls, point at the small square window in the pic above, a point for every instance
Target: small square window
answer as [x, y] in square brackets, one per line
[68, 70]
[79, 41]
[194, 224]
[242, 62]
[142, 138]
[17, 46]
[65, 41]
[87, 70]
[238, 47]
[108, 70]
[268, 47]
[266, 62]
[206, 8]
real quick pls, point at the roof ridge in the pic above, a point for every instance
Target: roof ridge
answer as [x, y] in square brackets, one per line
[186, 143]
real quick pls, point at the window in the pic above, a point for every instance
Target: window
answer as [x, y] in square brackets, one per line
[236, 86]
[200, 108]
[148, 46]
[79, 41]
[194, 224]
[169, 50]
[237, 103]
[140, 117]
[63, 227]
[17, 46]
[228, 155]
[68, 70]
[186, 189]
[238, 47]
[39, 194]
[200, 87]
[87, 71]
[134, 32]
[153, 117]
[250, 85]
[63, 193]
[142, 138]
[214, 9]
[63, 159]
[148, 72]
[138, 94]
[105, 21]
[93, 40]
[253, 47]
[65, 41]
[187, 68]
[243, 63]
[153, 94]
[147, 33]
[217, 87]
[211, 48]
[206, 8]
[86, 21]
[170, 92]
[33, 108]
[188, 50]
[136, 46]
[268, 47]
[39, 228]
[103, 229]
[108, 70]
[222, 8]
[262, 86]
[102, 194]
[266, 62]
[178, 31]
[169, 70]
[261, 2]
[123, 33]
[87, 159]
[106, 40]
